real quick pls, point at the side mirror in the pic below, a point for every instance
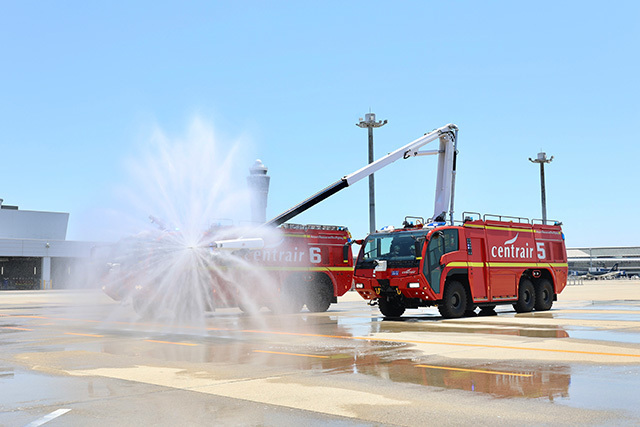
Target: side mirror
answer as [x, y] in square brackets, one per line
[418, 248]
[345, 252]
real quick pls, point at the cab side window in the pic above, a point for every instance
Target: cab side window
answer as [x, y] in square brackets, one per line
[450, 240]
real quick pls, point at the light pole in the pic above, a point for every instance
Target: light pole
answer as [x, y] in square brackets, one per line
[369, 122]
[542, 159]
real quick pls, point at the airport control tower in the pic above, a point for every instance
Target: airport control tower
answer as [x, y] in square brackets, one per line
[258, 181]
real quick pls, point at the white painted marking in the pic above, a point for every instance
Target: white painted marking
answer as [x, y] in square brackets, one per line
[47, 418]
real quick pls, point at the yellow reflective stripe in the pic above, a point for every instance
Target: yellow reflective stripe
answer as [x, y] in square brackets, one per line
[515, 264]
[308, 268]
[506, 264]
[465, 264]
[473, 225]
[309, 236]
[458, 264]
[493, 227]
[531, 264]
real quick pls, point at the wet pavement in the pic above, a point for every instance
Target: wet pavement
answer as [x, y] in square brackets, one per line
[78, 358]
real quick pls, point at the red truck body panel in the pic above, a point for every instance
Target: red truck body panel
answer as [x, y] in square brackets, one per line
[305, 252]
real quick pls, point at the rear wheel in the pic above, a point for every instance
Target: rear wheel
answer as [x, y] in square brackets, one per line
[454, 301]
[319, 295]
[526, 297]
[391, 307]
[544, 295]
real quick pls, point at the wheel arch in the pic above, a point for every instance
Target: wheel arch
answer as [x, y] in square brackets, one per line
[461, 275]
[536, 275]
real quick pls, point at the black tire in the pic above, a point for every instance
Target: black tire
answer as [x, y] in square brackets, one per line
[526, 297]
[319, 295]
[454, 300]
[544, 295]
[391, 307]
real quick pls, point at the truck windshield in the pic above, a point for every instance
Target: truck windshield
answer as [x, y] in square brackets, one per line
[398, 249]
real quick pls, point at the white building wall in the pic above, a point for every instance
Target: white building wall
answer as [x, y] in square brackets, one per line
[17, 224]
[45, 248]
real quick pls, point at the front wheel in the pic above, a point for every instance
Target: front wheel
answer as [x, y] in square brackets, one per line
[526, 297]
[544, 295]
[454, 301]
[390, 307]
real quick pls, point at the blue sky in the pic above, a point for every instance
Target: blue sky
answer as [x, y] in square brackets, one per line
[84, 86]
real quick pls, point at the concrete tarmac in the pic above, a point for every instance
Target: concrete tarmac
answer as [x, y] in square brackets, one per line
[78, 358]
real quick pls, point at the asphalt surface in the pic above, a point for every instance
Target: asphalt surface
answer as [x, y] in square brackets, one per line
[78, 358]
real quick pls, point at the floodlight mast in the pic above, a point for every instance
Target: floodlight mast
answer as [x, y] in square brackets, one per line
[542, 159]
[448, 136]
[370, 122]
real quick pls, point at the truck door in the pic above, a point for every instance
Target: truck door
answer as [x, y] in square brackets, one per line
[432, 269]
[476, 252]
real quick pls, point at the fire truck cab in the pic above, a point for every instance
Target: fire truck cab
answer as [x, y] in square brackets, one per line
[478, 263]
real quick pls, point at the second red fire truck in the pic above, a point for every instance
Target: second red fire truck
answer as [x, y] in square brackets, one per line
[480, 263]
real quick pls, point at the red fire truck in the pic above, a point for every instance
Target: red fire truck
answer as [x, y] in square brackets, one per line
[283, 269]
[481, 262]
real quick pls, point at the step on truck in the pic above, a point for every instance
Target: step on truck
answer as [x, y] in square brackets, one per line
[479, 263]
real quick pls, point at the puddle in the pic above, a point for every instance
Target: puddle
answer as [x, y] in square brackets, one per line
[536, 331]
[28, 387]
[604, 388]
[498, 380]
[630, 337]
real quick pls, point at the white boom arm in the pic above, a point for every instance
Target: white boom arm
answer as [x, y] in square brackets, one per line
[445, 182]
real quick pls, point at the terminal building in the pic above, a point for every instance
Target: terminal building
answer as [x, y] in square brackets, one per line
[34, 252]
[584, 260]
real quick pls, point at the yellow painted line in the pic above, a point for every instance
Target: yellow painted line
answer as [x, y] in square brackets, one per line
[57, 318]
[16, 328]
[27, 317]
[84, 335]
[171, 342]
[474, 370]
[502, 347]
[291, 354]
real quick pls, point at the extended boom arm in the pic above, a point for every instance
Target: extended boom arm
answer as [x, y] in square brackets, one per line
[448, 136]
